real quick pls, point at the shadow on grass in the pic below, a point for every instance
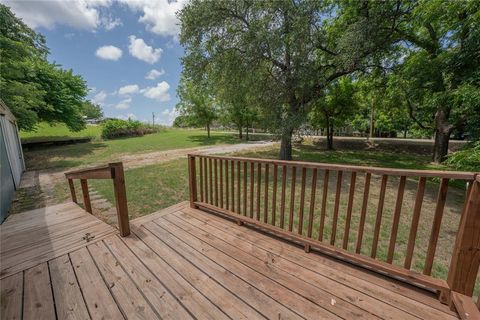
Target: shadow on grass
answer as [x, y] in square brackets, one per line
[61, 156]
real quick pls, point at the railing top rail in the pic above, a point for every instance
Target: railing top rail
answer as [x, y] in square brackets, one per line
[100, 172]
[351, 168]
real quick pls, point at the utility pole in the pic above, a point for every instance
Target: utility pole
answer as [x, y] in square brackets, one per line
[153, 118]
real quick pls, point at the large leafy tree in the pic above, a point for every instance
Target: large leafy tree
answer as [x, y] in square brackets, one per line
[34, 89]
[293, 49]
[439, 76]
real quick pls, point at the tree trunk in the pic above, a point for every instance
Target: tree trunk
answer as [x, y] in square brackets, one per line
[286, 146]
[240, 133]
[329, 134]
[443, 131]
[208, 130]
[247, 137]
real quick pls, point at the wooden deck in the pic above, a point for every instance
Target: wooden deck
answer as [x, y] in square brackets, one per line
[183, 263]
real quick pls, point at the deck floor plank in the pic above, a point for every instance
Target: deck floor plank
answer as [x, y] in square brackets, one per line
[11, 294]
[230, 302]
[327, 265]
[190, 297]
[38, 298]
[68, 297]
[98, 298]
[130, 300]
[160, 298]
[284, 295]
[363, 293]
[183, 263]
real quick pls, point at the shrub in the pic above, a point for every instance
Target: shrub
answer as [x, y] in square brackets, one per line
[116, 128]
[467, 159]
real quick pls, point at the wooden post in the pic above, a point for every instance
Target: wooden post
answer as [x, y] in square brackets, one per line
[120, 198]
[466, 253]
[86, 195]
[72, 190]
[192, 180]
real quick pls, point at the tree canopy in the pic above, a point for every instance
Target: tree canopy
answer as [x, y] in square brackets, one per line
[34, 89]
[415, 64]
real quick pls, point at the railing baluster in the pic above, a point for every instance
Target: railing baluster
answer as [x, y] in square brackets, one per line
[210, 180]
[292, 198]
[282, 201]
[192, 175]
[378, 220]
[121, 197]
[363, 214]
[416, 217]
[245, 188]
[205, 166]
[338, 192]
[72, 190]
[312, 203]
[86, 195]
[265, 200]
[396, 219]
[252, 187]
[216, 182]
[274, 193]
[437, 221]
[353, 179]
[324, 205]
[221, 183]
[302, 201]
[238, 189]
[232, 178]
[200, 162]
[259, 182]
[227, 197]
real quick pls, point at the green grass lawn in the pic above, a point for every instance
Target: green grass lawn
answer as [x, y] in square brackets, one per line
[103, 151]
[47, 132]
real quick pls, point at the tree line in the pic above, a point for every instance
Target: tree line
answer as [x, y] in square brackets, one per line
[35, 89]
[379, 67]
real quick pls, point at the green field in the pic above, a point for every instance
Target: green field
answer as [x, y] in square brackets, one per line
[102, 151]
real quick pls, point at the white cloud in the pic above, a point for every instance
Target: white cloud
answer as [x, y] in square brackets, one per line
[168, 116]
[159, 92]
[128, 89]
[140, 50]
[109, 53]
[154, 74]
[80, 14]
[159, 16]
[124, 104]
[100, 97]
[110, 23]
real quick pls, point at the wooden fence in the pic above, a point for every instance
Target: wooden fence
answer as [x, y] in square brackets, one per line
[285, 199]
[112, 171]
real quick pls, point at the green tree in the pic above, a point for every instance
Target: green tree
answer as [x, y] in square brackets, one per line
[292, 49]
[197, 104]
[34, 89]
[92, 110]
[334, 108]
[439, 76]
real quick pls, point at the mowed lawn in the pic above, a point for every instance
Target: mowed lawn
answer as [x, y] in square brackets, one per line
[102, 151]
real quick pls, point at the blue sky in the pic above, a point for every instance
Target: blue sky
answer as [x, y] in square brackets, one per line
[114, 45]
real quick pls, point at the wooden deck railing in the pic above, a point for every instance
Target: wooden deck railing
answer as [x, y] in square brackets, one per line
[112, 171]
[251, 191]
